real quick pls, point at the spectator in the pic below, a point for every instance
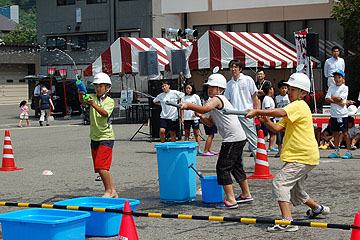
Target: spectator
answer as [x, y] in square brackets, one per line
[44, 104]
[332, 64]
[24, 115]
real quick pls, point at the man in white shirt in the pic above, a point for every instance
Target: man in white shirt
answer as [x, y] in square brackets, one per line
[37, 93]
[242, 94]
[169, 114]
[333, 64]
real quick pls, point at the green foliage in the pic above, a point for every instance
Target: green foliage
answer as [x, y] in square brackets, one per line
[347, 13]
[26, 30]
[22, 34]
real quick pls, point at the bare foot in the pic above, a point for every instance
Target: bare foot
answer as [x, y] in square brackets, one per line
[110, 194]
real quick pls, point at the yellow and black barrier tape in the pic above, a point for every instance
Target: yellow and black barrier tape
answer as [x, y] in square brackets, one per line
[183, 216]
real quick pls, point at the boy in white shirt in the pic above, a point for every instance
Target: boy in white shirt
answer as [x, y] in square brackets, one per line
[337, 96]
[268, 103]
[281, 101]
[169, 114]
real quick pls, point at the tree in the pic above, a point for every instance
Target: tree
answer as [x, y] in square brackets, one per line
[347, 13]
[22, 34]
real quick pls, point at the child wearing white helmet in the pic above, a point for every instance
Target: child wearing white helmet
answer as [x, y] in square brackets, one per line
[101, 132]
[229, 162]
[300, 159]
[337, 97]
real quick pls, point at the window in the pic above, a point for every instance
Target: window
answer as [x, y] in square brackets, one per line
[125, 33]
[222, 27]
[202, 29]
[65, 2]
[97, 37]
[58, 42]
[238, 27]
[291, 27]
[79, 43]
[95, 1]
[256, 27]
[276, 28]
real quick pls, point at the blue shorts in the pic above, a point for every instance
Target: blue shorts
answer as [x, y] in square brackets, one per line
[337, 126]
[168, 124]
[266, 130]
[191, 123]
[210, 130]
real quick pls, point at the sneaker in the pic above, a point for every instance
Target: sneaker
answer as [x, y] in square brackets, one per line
[225, 205]
[19, 125]
[200, 152]
[98, 178]
[273, 150]
[29, 125]
[282, 228]
[353, 147]
[215, 153]
[208, 154]
[41, 123]
[277, 155]
[321, 146]
[347, 156]
[324, 210]
[334, 155]
[242, 199]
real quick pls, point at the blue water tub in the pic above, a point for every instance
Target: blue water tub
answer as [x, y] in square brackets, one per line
[44, 224]
[177, 182]
[102, 224]
[212, 192]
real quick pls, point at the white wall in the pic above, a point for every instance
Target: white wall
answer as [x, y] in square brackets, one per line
[173, 6]
[241, 4]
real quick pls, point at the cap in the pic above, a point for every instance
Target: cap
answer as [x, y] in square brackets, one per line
[339, 72]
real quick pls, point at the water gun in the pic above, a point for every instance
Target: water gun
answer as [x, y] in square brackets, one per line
[82, 88]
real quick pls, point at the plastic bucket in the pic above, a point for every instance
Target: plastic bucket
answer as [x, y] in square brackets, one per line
[177, 183]
[102, 224]
[49, 224]
[212, 192]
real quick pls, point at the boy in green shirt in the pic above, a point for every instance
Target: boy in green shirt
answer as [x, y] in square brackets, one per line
[300, 159]
[101, 132]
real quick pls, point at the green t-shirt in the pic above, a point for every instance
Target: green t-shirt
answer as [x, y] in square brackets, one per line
[100, 129]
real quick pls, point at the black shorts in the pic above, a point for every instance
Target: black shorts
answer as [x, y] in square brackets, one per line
[210, 130]
[191, 123]
[168, 124]
[337, 126]
[230, 162]
[266, 130]
[280, 138]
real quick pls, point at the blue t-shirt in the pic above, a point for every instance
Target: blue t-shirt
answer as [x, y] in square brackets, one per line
[45, 103]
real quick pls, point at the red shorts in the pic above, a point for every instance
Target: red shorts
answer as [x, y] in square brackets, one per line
[101, 152]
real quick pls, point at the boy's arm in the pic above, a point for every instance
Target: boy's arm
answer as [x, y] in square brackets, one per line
[276, 112]
[81, 97]
[332, 100]
[272, 126]
[213, 103]
[207, 121]
[51, 103]
[182, 116]
[100, 110]
[256, 100]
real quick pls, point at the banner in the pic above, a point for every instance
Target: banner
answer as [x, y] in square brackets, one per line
[302, 61]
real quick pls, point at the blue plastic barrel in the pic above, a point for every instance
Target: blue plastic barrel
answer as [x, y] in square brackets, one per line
[177, 182]
[212, 192]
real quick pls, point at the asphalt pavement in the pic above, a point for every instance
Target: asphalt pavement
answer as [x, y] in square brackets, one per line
[64, 148]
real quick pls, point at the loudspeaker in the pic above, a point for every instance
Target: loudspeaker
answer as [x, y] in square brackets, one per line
[148, 63]
[178, 61]
[154, 89]
[312, 44]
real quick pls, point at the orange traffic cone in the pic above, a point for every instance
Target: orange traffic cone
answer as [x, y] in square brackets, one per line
[127, 226]
[8, 162]
[262, 170]
[355, 234]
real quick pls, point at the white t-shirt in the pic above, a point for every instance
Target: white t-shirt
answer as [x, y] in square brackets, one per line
[268, 102]
[229, 126]
[167, 111]
[342, 91]
[281, 102]
[353, 131]
[331, 65]
[240, 92]
[194, 99]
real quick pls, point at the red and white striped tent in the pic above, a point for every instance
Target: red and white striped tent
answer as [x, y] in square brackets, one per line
[217, 48]
[122, 55]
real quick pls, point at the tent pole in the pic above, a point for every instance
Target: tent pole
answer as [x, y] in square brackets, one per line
[312, 83]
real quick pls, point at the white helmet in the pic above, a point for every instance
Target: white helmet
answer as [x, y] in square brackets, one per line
[352, 109]
[216, 80]
[299, 80]
[102, 78]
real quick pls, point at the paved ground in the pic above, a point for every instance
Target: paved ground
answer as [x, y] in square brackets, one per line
[64, 149]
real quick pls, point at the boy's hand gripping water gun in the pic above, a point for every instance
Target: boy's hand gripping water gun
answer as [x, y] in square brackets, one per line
[82, 88]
